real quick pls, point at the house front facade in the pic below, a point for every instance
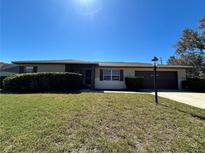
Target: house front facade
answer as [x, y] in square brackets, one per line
[110, 75]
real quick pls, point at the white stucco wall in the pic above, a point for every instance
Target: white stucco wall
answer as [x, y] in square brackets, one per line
[130, 72]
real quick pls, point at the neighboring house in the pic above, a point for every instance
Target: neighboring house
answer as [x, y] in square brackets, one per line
[8, 69]
[110, 75]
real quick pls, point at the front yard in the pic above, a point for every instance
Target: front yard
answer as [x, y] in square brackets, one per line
[97, 122]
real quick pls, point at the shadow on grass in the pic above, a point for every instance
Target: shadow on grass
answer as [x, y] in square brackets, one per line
[195, 112]
[42, 92]
[52, 91]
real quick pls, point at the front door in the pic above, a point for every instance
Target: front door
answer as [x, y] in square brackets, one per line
[88, 77]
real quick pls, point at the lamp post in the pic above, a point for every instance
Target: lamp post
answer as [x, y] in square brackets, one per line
[154, 60]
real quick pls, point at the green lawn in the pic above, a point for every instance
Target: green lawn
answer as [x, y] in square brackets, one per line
[97, 122]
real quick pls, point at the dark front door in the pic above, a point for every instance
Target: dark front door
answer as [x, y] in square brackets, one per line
[165, 80]
[88, 77]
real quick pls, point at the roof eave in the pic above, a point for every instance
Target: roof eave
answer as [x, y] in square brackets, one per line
[100, 65]
[21, 62]
[173, 67]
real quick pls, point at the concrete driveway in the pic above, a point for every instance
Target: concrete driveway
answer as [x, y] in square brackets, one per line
[190, 98]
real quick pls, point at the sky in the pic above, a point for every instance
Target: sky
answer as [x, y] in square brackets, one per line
[96, 30]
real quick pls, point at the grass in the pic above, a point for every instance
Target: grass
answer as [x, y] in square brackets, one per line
[97, 122]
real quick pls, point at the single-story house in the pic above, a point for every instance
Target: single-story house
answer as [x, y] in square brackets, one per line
[110, 75]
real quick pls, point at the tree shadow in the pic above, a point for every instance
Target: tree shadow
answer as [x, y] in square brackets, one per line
[42, 92]
[195, 115]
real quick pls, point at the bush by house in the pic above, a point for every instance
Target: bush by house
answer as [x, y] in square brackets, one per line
[194, 84]
[134, 83]
[34, 82]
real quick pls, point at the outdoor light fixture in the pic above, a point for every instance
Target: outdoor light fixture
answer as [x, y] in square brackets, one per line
[154, 60]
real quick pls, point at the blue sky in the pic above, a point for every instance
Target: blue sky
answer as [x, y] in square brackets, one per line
[99, 30]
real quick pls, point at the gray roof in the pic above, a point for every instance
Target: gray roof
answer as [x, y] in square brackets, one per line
[137, 64]
[54, 62]
[9, 67]
[101, 64]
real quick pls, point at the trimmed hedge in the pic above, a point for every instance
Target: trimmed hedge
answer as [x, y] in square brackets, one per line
[194, 84]
[37, 82]
[134, 83]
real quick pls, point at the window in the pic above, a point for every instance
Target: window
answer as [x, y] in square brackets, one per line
[111, 75]
[116, 75]
[107, 74]
[29, 69]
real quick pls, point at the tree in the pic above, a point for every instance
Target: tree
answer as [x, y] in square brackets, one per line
[202, 23]
[190, 50]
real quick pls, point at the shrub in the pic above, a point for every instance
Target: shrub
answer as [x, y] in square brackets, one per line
[36, 82]
[134, 83]
[1, 81]
[184, 84]
[194, 84]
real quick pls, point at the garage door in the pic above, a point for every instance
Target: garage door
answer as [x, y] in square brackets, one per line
[165, 80]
